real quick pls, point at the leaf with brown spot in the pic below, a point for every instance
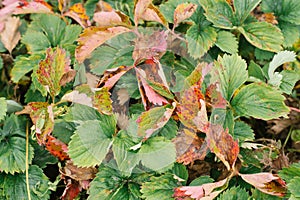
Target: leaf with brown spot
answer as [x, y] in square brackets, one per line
[76, 97]
[214, 96]
[57, 148]
[78, 13]
[152, 13]
[183, 11]
[267, 17]
[140, 7]
[78, 173]
[222, 144]
[267, 183]
[102, 101]
[112, 18]
[189, 147]
[39, 6]
[10, 36]
[92, 37]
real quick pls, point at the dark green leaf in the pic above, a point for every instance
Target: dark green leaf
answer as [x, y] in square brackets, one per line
[289, 173]
[169, 130]
[289, 79]
[262, 54]
[234, 193]
[255, 70]
[227, 42]
[260, 101]
[42, 157]
[201, 180]
[63, 130]
[242, 132]
[180, 171]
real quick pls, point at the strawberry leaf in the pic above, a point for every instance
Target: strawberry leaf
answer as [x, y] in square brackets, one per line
[183, 11]
[227, 42]
[3, 106]
[57, 148]
[234, 193]
[244, 8]
[111, 18]
[102, 101]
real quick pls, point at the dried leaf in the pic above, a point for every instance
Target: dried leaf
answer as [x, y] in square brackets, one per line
[183, 11]
[36, 6]
[139, 9]
[152, 13]
[205, 191]
[77, 97]
[57, 148]
[102, 101]
[214, 96]
[78, 13]
[71, 191]
[78, 173]
[201, 120]
[112, 18]
[10, 36]
[93, 37]
[267, 183]
[222, 144]
[267, 17]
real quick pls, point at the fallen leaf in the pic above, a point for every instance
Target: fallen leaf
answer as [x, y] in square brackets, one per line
[10, 36]
[112, 18]
[92, 37]
[266, 182]
[78, 13]
[183, 11]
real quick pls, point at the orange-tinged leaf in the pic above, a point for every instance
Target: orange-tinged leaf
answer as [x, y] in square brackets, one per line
[189, 147]
[78, 13]
[183, 11]
[53, 71]
[93, 37]
[57, 148]
[267, 17]
[205, 191]
[10, 35]
[36, 6]
[266, 182]
[153, 120]
[102, 101]
[222, 144]
[201, 120]
[112, 18]
[139, 8]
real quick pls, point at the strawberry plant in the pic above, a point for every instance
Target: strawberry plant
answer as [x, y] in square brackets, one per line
[149, 99]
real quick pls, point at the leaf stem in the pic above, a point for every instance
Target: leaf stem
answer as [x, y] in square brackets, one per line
[26, 163]
[287, 138]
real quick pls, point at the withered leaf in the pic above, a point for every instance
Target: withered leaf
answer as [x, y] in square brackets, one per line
[214, 96]
[57, 148]
[33, 7]
[10, 35]
[139, 8]
[183, 11]
[78, 13]
[102, 101]
[112, 18]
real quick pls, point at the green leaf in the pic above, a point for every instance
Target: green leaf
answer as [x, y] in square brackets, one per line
[263, 35]
[294, 187]
[35, 41]
[227, 42]
[13, 106]
[200, 39]
[157, 154]
[169, 130]
[161, 187]
[279, 59]
[290, 32]
[14, 186]
[90, 149]
[13, 145]
[258, 195]
[201, 180]
[1, 63]
[260, 101]
[23, 65]
[234, 193]
[254, 70]
[3, 106]
[289, 173]
[232, 74]
[129, 82]
[42, 157]
[63, 130]
[242, 132]
[285, 10]
[289, 79]
[263, 55]
[243, 8]
[79, 113]
[181, 172]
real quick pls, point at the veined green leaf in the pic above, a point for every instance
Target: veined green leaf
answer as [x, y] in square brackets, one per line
[289, 79]
[243, 8]
[227, 42]
[90, 144]
[234, 193]
[13, 146]
[242, 132]
[263, 35]
[290, 172]
[256, 71]
[232, 74]
[290, 32]
[79, 113]
[260, 101]
[14, 186]
[3, 106]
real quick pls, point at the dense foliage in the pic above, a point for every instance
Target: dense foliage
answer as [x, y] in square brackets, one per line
[149, 99]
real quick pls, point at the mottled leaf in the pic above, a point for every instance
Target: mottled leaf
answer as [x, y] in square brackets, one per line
[214, 96]
[183, 11]
[102, 101]
[57, 148]
[78, 13]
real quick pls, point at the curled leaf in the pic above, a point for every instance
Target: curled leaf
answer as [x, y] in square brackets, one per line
[111, 18]
[78, 13]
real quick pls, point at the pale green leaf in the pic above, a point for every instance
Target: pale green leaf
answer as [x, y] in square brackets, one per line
[263, 35]
[290, 32]
[243, 8]
[294, 187]
[13, 146]
[23, 65]
[242, 132]
[256, 71]
[3, 108]
[279, 59]
[35, 41]
[90, 144]
[157, 153]
[79, 113]
[260, 101]
[1, 63]
[227, 42]
[13, 106]
[200, 39]
[289, 79]
[161, 187]
[14, 186]
[232, 74]
[234, 193]
[290, 172]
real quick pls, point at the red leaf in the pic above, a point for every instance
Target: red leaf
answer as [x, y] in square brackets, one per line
[198, 192]
[267, 183]
[222, 144]
[189, 147]
[72, 190]
[78, 13]
[57, 148]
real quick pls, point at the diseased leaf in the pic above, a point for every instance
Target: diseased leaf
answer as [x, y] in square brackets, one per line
[183, 11]
[140, 7]
[157, 154]
[53, 70]
[102, 101]
[111, 18]
[93, 37]
[10, 36]
[266, 182]
[222, 144]
[263, 35]
[152, 13]
[33, 7]
[153, 120]
[260, 101]
[57, 148]
[227, 42]
[76, 97]
[3, 106]
[214, 96]
[78, 13]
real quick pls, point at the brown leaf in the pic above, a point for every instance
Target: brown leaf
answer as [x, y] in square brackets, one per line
[266, 182]
[37, 6]
[152, 13]
[112, 18]
[189, 147]
[222, 144]
[57, 148]
[267, 17]
[93, 37]
[183, 11]
[78, 13]
[214, 96]
[10, 36]
[77, 97]
[140, 7]
[78, 173]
